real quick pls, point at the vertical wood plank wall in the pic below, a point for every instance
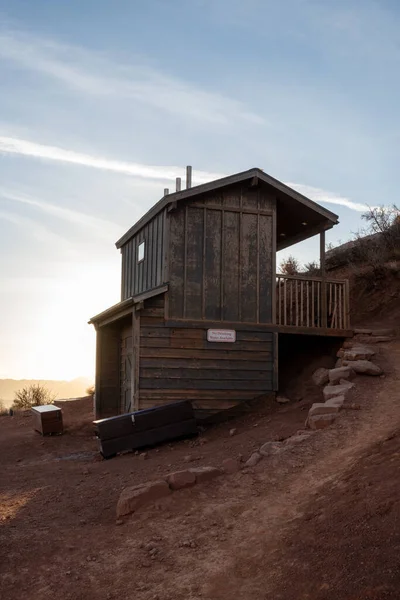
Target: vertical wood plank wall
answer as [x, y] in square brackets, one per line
[221, 257]
[178, 363]
[138, 277]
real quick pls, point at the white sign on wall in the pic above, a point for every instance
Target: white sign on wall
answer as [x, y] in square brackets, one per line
[221, 335]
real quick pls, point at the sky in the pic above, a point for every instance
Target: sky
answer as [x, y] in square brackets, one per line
[103, 103]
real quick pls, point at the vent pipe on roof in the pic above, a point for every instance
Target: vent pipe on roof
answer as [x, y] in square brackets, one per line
[166, 191]
[188, 177]
[178, 184]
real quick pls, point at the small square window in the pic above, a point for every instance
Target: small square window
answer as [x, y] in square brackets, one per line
[140, 252]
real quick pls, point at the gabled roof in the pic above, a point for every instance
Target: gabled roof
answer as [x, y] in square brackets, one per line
[284, 190]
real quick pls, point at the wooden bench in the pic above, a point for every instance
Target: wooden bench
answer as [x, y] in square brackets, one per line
[143, 428]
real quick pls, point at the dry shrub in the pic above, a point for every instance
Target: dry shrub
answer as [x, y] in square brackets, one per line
[32, 395]
[90, 390]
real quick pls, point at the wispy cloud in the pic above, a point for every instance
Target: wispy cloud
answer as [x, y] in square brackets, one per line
[103, 228]
[9, 145]
[85, 71]
[319, 195]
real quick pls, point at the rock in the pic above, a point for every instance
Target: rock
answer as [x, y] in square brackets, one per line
[144, 455]
[188, 458]
[271, 448]
[205, 473]
[383, 332]
[320, 408]
[320, 376]
[336, 401]
[340, 353]
[348, 344]
[321, 421]
[230, 465]
[202, 441]
[282, 400]
[298, 438]
[376, 339]
[358, 353]
[335, 375]
[365, 367]
[181, 479]
[362, 331]
[254, 459]
[232, 432]
[330, 391]
[134, 497]
[339, 363]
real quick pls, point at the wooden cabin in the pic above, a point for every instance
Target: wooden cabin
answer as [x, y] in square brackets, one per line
[202, 306]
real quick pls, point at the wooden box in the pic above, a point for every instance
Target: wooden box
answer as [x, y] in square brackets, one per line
[145, 428]
[47, 419]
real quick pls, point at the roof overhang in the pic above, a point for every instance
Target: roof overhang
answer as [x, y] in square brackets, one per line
[298, 217]
[124, 308]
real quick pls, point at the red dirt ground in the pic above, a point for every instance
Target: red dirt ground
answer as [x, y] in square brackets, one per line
[319, 522]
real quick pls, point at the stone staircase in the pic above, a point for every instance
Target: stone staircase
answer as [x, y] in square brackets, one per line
[353, 359]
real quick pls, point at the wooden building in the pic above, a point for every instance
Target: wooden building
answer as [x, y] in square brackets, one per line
[201, 305]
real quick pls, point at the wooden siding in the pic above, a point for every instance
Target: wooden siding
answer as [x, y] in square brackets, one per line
[178, 363]
[138, 277]
[221, 257]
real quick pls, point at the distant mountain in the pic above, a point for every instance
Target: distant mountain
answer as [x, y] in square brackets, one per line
[62, 389]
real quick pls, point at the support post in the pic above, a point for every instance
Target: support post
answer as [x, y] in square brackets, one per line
[324, 310]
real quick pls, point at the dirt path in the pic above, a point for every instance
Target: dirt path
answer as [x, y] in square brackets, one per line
[296, 526]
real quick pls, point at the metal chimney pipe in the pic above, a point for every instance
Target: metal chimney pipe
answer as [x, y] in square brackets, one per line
[178, 184]
[166, 191]
[188, 177]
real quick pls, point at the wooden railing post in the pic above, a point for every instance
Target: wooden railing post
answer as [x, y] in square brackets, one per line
[324, 311]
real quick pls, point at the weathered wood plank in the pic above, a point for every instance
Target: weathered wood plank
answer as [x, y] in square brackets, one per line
[248, 265]
[176, 263]
[194, 267]
[213, 261]
[202, 373]
[267, 275]
[204, 363]
[230, 276]
[196, 344]
[203, 353]
[206, 384]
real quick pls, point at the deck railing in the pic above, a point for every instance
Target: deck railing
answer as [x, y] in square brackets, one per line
[301, 302]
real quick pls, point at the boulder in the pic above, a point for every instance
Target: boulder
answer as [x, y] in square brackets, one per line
[134, 497]
[365, 367]
[320, 421]
[335, 375]
[230, 465]
[298, 438]
[330, 391]
[339, 363]
[358, 353]
[205, 473]
[378, 339]
[271, 448]
[383, 332]
[181, 479]
[320, 376]
[340, 353]
[335, 401]
[321, 408]
[282, 400]
[253, 460]
[348, 344]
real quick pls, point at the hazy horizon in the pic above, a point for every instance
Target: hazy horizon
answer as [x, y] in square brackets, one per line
[100, 112]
